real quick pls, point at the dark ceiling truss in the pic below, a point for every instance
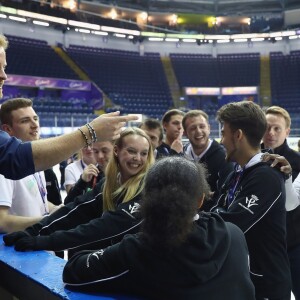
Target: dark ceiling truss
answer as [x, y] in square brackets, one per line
[211, 7]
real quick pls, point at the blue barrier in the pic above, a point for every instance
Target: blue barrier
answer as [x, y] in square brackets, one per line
[37, 275]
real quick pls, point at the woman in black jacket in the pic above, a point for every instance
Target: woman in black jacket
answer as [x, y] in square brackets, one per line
[103, 215]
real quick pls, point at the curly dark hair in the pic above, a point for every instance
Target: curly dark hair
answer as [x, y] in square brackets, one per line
[173, 188]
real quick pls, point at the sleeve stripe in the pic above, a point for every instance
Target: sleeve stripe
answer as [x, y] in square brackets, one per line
[108, 237]
[99, 280]
[264, 213]
[71, 211]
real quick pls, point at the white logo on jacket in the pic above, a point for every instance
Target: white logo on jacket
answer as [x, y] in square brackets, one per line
[134, 208]
[94, 254]
[250, 202]
[98, 253]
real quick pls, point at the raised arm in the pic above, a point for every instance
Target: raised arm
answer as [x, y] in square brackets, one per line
[49, 152]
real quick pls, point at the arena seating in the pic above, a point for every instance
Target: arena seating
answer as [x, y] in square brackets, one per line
[285, 78]
[135, 83]
[195, 70]
[36, 58]
[226, 70]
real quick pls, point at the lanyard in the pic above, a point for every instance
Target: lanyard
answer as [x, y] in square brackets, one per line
[234, 183]
[82, 165]
[42, 189]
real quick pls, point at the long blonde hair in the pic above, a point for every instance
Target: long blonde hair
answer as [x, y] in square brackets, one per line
[134, 185]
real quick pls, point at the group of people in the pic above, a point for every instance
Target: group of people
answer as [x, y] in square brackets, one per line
[206, 219]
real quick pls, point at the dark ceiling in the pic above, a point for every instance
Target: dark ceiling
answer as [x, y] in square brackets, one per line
[210, 7]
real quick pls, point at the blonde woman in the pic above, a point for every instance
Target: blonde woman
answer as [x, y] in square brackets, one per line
[108, 216]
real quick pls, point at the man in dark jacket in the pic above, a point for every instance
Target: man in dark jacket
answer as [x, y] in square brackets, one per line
[279, 124]
[172, 125]
[204, 150]
[253, 197]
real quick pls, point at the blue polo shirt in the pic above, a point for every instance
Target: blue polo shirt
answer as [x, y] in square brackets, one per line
[16, 160]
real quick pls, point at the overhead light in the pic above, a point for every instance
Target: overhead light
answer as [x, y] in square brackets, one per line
[189, 40]
[18, 19]
[120, 30]
[173, 19]
[292, 37]
[3, 16]
[113, 14]
[257, 39]
[242, 36]
[72, 5]
[84, 30]
[278, 38]
[247, 21]
[8, 10]
[40, 23]
[171, 39]
[84, 25]
[120, 35]
[29, 14]
[217, 37]
[240, 40]
[100, 32]
[288, 33]
[185, 36]
[144, 16]
[223, 41]
[275, 34]
[130, 37]
[155, 39]
[157, 34]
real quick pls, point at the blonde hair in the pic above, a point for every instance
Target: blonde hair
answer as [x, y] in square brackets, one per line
[3, 42]
[134, 185]
[193, 114]
[277, 110]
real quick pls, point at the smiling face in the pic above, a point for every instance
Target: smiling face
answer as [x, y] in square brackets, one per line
[3, 76]
[276, 132]
[25, 124]
[197, 131]
[132, 155]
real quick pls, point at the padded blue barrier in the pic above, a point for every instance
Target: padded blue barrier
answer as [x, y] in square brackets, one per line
[38, 275]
